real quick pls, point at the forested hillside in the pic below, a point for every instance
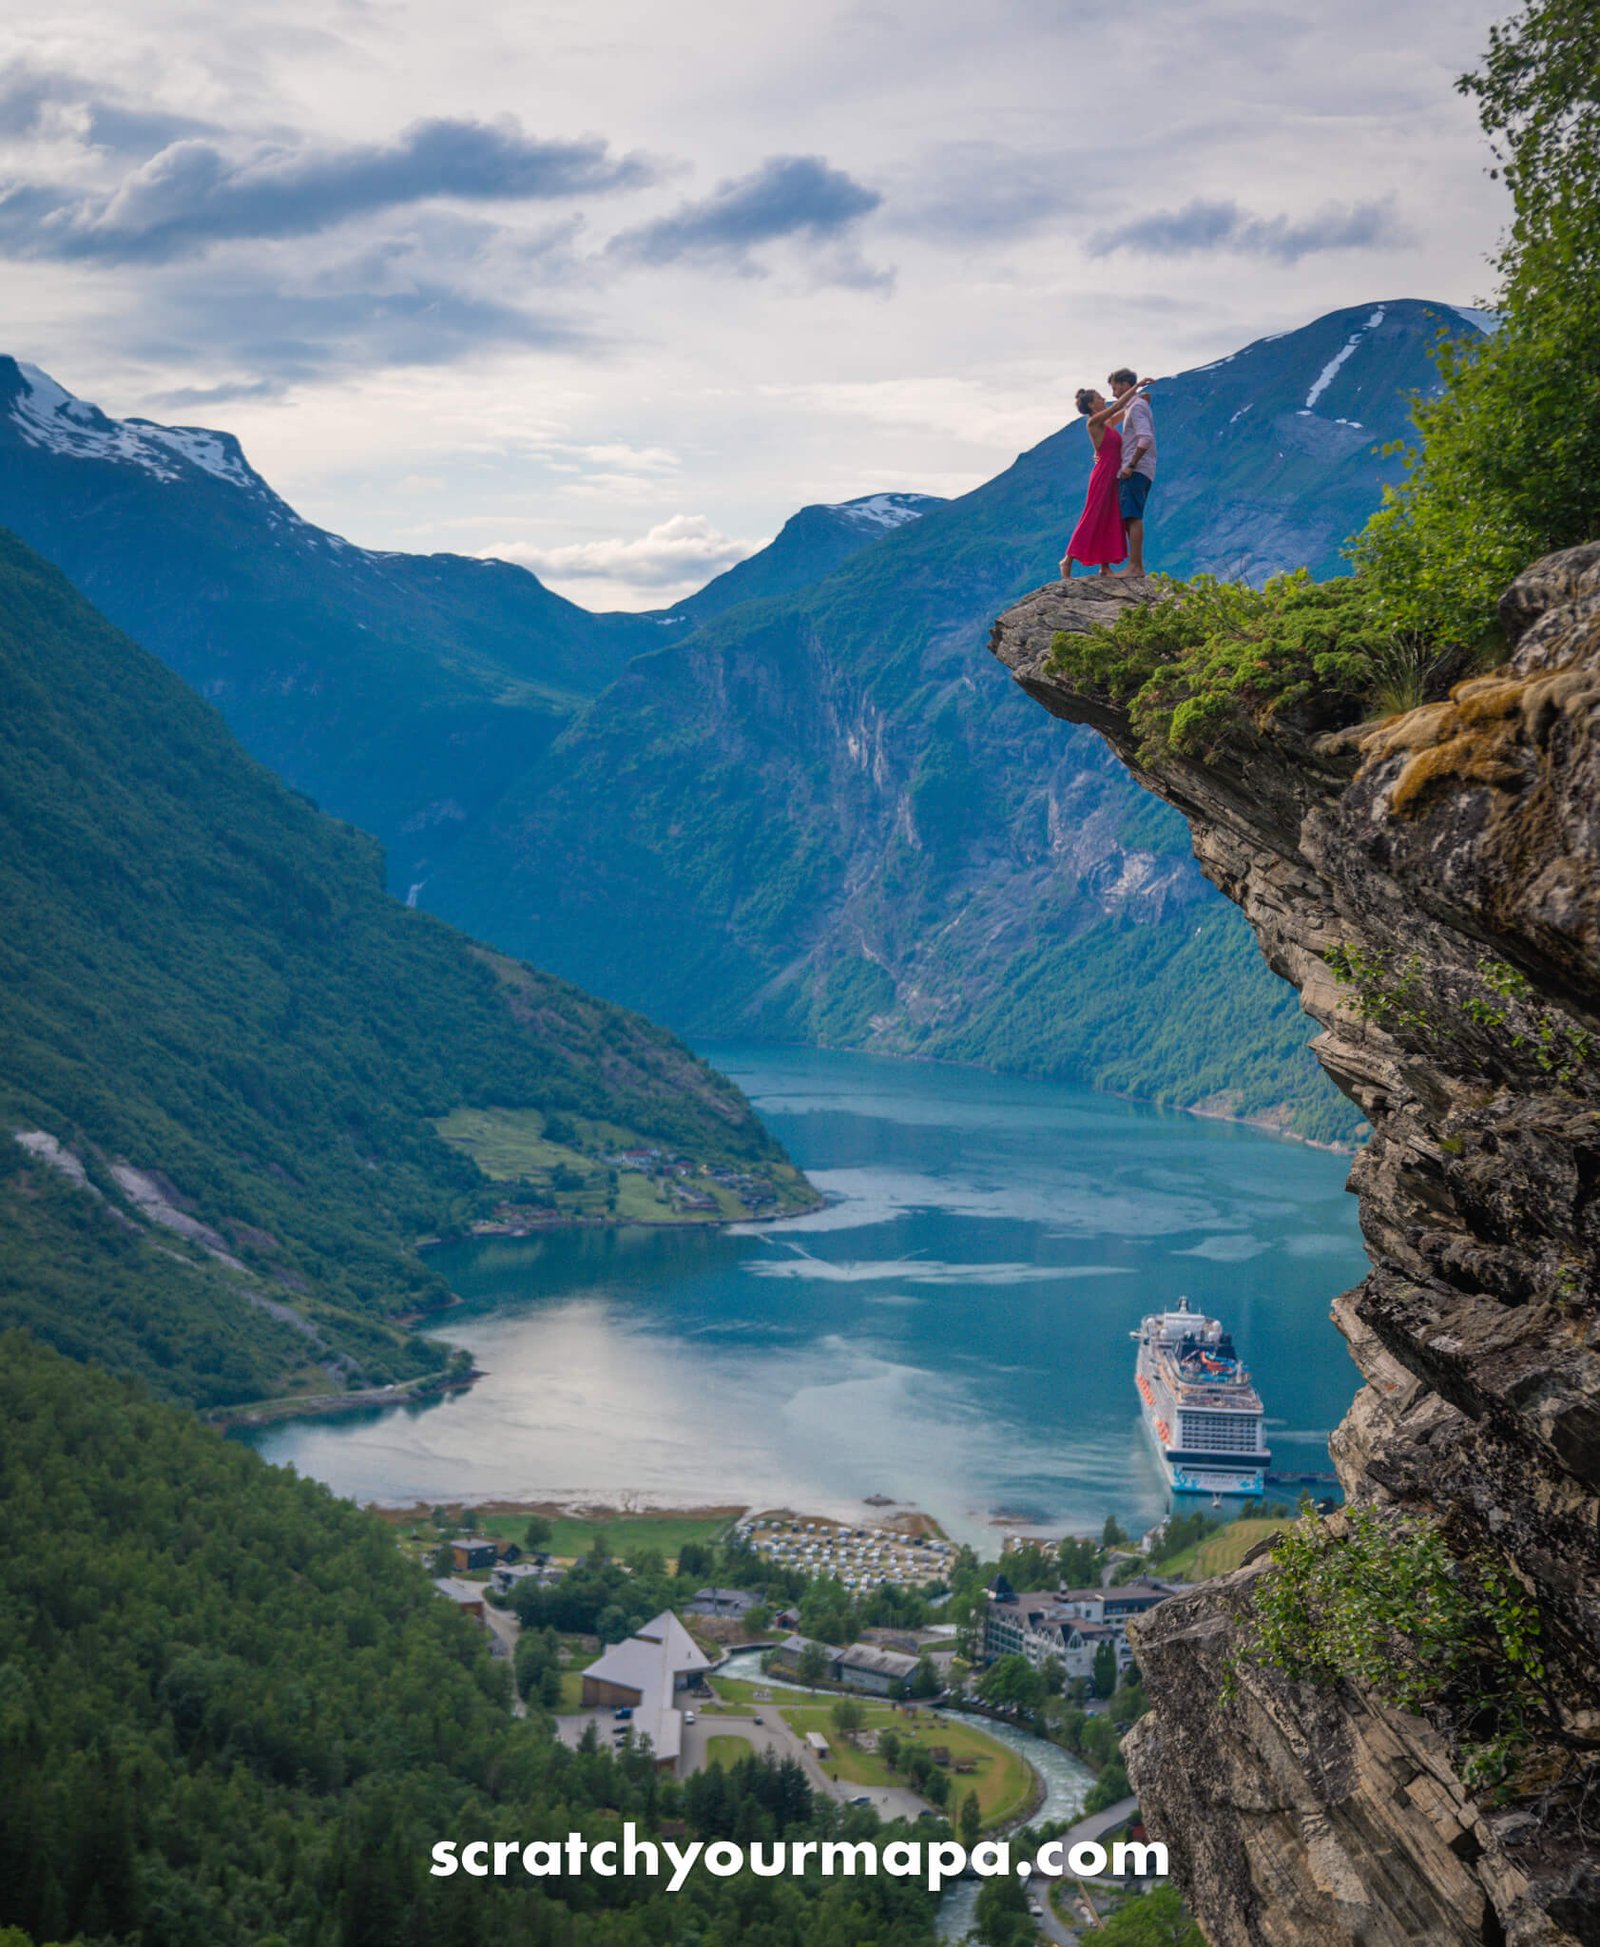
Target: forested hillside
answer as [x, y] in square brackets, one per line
[232, 1715]
[226, 1048]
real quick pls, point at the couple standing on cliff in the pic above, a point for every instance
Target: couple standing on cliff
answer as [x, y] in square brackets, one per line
[1123, 434]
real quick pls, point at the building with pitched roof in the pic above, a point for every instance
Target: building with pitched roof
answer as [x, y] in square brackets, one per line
[648, 1674]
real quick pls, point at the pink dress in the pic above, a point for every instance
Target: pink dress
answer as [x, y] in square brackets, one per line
[1098, 540]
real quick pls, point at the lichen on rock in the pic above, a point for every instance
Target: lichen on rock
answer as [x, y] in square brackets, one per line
[1431, 884]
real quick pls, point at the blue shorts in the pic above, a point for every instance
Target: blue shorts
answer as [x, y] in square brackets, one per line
[1132, 494]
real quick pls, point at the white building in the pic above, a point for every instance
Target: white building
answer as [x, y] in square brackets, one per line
[648, 1675]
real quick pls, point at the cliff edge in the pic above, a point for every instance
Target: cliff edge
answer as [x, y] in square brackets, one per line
[1446, 862]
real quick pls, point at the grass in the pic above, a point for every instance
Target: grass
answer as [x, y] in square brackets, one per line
[511, 1146]
[1225, 1550]
[1003, 1780]
[571, 1690]
[573, 1535]
[727, 1750]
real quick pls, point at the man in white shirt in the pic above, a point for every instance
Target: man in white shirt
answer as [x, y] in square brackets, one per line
[1138, 463]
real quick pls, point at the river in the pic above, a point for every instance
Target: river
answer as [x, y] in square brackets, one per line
[950, 1332]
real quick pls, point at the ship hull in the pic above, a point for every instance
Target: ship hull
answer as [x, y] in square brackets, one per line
[1203, 1473]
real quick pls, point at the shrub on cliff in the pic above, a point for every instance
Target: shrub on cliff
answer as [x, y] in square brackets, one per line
[1220, 654]
[1508, 462]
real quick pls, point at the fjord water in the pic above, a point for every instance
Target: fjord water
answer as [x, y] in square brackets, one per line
[951, 1331]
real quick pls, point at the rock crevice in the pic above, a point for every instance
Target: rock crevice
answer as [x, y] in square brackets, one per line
[1456, 849]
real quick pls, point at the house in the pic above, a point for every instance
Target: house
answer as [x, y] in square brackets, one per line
[786, 1657]
[648, 1675]
[511, 1575]
[866, 1667]
[467, 1596]
[472, 1551]
[733, 1605]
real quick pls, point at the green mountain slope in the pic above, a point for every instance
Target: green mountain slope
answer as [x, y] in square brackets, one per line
[231, 1715]
[227, 1049]
[831, 816]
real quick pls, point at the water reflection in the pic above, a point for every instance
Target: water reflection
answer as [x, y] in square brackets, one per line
[951, 1332]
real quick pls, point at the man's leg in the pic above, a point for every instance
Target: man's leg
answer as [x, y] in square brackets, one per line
[1135, 533]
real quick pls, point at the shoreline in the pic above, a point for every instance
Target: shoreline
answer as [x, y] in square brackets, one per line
[1262, 1124]
[316, 1406]
[560, 1222]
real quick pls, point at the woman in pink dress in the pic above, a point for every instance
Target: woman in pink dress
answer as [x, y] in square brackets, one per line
[1098, 540]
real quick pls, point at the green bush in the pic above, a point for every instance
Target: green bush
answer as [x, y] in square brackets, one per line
[1219, 655]
[1381, 1601]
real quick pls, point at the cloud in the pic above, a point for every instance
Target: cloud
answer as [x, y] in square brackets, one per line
[49, 102]
[686, 549]
[789, 197]
[224, 393]
[1207, 226]
[196, 191]
[984, 192]
[254, 319]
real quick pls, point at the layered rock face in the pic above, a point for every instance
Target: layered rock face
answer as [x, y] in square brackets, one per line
[1452, 855]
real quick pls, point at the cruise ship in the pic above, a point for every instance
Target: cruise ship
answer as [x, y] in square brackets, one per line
[1198, 1405]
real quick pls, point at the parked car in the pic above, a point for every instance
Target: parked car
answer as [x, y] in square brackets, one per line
[623, 1712]
[688, 1717]
[758, 1719]
[860, 1798]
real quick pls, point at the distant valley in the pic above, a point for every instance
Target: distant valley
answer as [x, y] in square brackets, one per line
[802, 804]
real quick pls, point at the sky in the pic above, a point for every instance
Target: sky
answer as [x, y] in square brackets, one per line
[611, 288]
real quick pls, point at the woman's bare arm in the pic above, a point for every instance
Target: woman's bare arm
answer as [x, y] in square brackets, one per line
[1112, 407]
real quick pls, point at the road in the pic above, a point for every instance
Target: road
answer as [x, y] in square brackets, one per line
[774, 1735]
[504, 1628]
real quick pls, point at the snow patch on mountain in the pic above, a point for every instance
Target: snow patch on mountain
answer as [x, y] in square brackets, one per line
[1329, 371]
[883, 510]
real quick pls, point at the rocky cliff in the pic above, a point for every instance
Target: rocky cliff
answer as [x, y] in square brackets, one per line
[1451, 856]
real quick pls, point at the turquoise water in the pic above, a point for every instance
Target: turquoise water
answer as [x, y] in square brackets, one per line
[952, 1331]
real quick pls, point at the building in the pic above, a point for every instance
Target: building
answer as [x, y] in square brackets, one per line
[473, 1551]
[467, 1596]
[786, 1657]
[732, 1605]
[819, 1746]
[648, 1674]
[1069, 1626]
[512, 1575]
[864, 1666]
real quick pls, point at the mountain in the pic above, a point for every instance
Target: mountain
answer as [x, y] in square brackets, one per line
[825, 815]
[807, 809]
[403, 692]
[350, 671]
[238, 1079]
[809, 546]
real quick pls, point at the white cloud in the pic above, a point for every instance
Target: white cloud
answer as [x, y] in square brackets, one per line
[653, 570]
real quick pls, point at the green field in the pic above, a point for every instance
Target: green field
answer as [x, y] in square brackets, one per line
[727, 1750]
[573, 1535]
[571, 1177]
[1223, 1551]
[1003, 1780]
